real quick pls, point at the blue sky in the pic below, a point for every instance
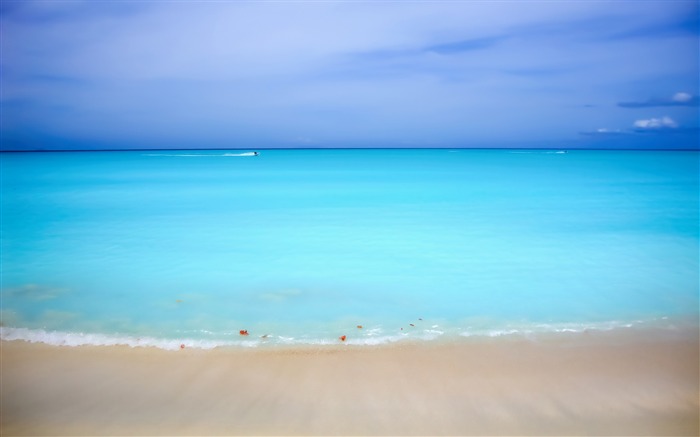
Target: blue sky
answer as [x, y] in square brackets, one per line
[221, 74]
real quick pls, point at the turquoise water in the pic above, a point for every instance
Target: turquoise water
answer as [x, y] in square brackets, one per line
[164, 248]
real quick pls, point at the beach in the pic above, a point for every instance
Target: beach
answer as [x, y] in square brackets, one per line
[478, 292]
[330, 218]
[621, 382]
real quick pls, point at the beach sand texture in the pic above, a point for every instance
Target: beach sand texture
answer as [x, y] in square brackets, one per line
[621, 383]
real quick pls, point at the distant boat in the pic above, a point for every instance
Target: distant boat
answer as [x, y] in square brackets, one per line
[242, 154]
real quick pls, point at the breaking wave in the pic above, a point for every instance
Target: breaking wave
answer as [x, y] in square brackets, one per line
[371, 337]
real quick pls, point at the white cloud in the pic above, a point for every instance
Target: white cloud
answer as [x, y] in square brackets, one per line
[225, 40]
[682, 97]
[656, 123]
[323, 71]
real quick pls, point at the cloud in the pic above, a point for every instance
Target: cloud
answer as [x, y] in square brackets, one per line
[227, 74]
[678, 99]
[651, 125]
[605, 132]
[655, 123]
[465, 45]
[684, 24]
[682, 97]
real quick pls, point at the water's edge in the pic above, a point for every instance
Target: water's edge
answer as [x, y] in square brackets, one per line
[422, 335]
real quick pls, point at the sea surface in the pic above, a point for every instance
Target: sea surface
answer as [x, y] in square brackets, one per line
[170, 248]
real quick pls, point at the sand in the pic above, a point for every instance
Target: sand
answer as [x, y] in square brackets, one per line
[619, 383]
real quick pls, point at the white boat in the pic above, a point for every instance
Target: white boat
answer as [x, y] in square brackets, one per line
[242, 154]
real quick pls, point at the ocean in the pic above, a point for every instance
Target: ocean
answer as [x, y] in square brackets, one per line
[301, 247]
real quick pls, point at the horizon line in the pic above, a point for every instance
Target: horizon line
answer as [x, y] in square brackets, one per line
[345, 148]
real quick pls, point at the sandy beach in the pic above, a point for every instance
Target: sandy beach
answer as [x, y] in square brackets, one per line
[615, 383]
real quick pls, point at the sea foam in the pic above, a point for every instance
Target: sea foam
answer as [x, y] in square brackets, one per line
[373, 337]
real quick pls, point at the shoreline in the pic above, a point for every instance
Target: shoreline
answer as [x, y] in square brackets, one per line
[427, 334]
[601, 383]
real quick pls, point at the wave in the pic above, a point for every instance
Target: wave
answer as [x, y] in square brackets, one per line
[75, 339]
[372, 337]
[534, 329]
[59, 338]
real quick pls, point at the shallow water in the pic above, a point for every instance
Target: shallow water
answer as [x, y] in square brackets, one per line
[304, 245]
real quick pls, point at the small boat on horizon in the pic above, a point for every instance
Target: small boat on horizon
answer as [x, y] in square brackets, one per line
[242, 154]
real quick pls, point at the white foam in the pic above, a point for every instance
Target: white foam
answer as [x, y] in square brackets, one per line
[543, 328]
[73, 339]
[374, 331]
[374, 336]
[375, 341]
[502, 332]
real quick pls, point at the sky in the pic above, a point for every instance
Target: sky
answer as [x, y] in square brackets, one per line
[267, 74]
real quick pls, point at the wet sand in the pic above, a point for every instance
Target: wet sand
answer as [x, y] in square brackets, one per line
[620, 383]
